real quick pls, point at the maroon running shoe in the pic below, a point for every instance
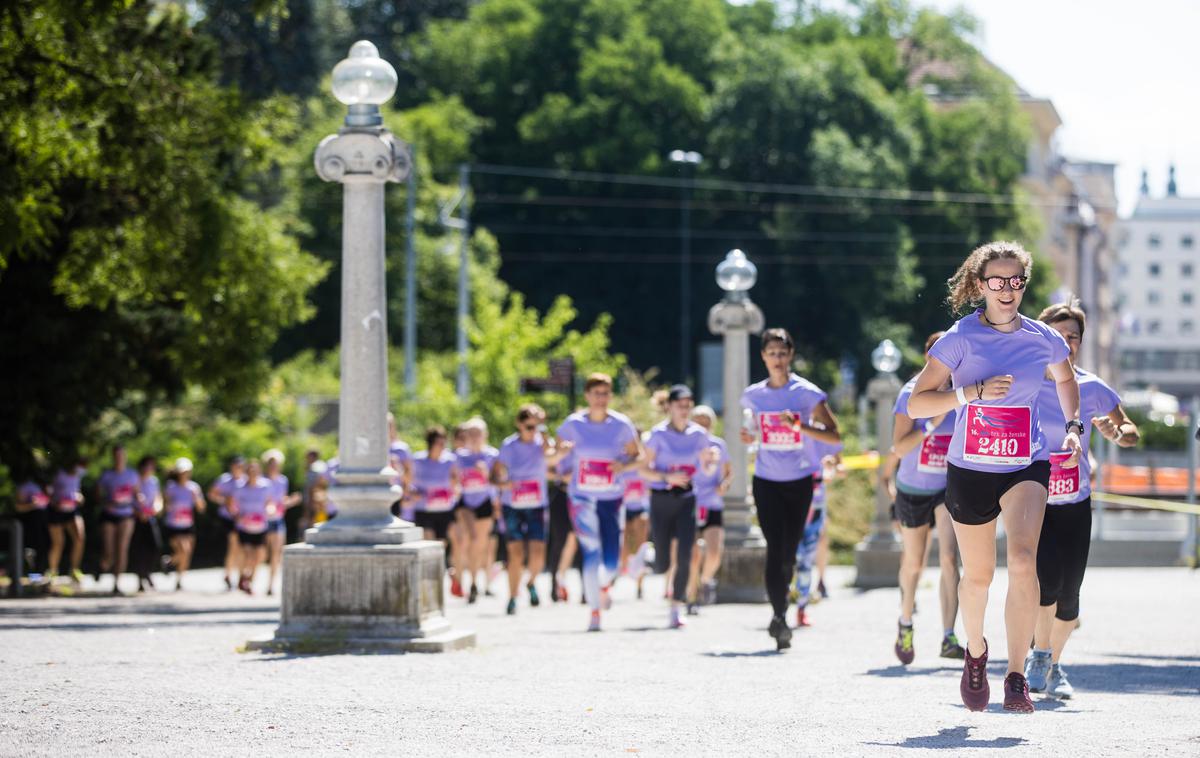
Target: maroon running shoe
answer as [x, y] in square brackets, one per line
[1016, 694]
[904, 644]
[974, 687]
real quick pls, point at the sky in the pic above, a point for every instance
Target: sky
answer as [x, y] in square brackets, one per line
[1124, 77]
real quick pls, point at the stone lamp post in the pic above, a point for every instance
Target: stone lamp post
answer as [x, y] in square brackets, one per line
[734, 318]
[365, 580]
[877, 557]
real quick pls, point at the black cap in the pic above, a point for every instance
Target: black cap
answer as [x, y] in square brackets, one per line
[679, 392]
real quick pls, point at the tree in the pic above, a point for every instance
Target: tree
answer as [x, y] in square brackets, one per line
[146, 245]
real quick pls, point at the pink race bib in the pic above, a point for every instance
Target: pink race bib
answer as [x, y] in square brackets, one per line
[123, 495]
[252, 523]
[998, 435]
[635, 490]
[527, 494]
[685, 468]
[438, 499]
[41, 500]
[66, 505]
[776, 435]
[473, 480]
[1064, 482]
[934, 448]
[595, 476]
[180, 519]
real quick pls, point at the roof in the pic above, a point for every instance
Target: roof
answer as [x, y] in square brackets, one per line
[1171, 207]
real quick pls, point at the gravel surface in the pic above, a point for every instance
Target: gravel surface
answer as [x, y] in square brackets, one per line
[161, 674]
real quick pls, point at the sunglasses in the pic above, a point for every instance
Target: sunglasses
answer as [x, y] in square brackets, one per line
[996, 283]
[530, 428]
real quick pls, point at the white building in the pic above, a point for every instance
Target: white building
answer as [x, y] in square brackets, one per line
[1158, 293]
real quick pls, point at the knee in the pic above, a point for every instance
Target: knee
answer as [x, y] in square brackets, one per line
[1022, 562]
[977, 579]
[1068, 608]
[948, 562]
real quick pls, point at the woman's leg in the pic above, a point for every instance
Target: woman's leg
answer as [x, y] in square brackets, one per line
[123, 536]
[912, 541]
[684, 527]
[611, 518]
[274, 557]
[1022, 508]
[714, 548]
[1075, 541]
[233, 555]
[462, 539]
[108, 546]
[586, 522]
[75, 529]
[948, 561]
[1050, 578]
[977, 543]
[57, 537]
[516, 565]
[478, 557]
[537, 559]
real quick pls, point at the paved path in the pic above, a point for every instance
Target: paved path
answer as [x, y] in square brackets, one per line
[161, 674]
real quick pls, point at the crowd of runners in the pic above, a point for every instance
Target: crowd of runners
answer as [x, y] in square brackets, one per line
[995, 427]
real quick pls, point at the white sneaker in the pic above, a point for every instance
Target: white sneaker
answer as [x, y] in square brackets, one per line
[1037, 665]
[1057, 684]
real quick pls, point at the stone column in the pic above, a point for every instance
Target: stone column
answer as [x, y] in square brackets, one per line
[877, 558]
[740, 579]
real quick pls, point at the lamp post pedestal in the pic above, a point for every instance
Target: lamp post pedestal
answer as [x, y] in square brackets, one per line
[877, 557]
[743, 563]
[365, 580]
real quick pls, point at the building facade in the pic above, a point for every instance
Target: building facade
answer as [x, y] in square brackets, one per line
[1158, 294]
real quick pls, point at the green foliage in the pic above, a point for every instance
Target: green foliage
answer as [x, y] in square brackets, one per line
[1157, 435]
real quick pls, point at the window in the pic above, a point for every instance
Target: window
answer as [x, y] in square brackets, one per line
[1152, 297]
[1154, 326]
[1185, 270]
[1186, 326]
[1187, 241]
[1155, 269]
[1154, 241]
[1185, 298]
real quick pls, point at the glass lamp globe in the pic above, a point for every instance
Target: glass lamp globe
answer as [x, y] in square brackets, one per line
[886, 357]
[363, 78]
[736, 273]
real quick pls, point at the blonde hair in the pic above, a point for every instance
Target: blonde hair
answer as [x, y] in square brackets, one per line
[964, 285]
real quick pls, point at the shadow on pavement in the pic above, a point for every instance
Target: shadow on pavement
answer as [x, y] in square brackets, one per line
[1145, 657]
[745, 654]
[1135, 678]
[133, 607]
[952, 738]
[898, 671]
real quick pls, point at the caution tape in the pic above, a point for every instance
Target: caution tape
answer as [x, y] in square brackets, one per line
[867, 460]
[1142, 502]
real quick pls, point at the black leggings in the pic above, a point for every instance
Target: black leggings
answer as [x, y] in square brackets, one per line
[1062, 556]
[782, 510]
[673, 516]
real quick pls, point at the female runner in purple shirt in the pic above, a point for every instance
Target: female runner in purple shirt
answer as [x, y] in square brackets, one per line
[182, 500]
[66, 496]
[998, 460]
[785, 409]
[119, 496]
[475, 511]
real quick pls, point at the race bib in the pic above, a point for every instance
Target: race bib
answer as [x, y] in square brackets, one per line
[595, 476]
[998, 435]
[473, 480]
[123, 495]
[252, 523]
[934, 448]
[685, 468]
[635, 490]
[181, 519]
[527, 494]
[1064, 482]
[774, 434]
[701, 515]
[41, 500]
[440, 499]
[66, 505]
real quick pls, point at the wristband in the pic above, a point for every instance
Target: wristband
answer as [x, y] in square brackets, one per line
[962, 399]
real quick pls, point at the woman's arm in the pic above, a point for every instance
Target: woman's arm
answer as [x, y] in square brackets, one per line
[1068, 398]
[906, 435]
[826, 428]
[1117, 427]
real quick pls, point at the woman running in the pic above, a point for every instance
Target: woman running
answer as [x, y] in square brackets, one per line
[676, 450]
[780, 408]
[33, 504]
[637, 548]
[604, 445]
[520, 472]
[806, 553]
[283, 500]
[561, 544]
[220, 492]
[920, 481]
[145, 547]
[433, 489]
[253, 507]
[998, 462]
[475, 510]
[1062, 551]
[66, 496]
[119, 498]
[182, 500]
[400, 459]
[710, 483]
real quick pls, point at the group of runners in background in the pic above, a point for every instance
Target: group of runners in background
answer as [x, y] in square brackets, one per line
[995, 426]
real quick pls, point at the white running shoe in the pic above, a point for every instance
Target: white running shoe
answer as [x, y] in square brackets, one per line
[1057, 684]
[1037, 666]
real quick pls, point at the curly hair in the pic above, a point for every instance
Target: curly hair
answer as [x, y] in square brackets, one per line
[964, 285]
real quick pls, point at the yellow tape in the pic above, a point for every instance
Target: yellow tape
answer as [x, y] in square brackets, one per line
[867, 460]
[1141, 502]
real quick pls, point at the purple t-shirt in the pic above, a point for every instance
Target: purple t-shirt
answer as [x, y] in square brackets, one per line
[706, 481]
[250, 502]
[525, 464]
[818, 450]
[676, 450]
[599, 447]
[279, 493]
[32, 492]
[432, 481]
[66, 491]
[475, 482]
[118, 491]
[781, 456]
[399, 453]
[150, 491]
[225, 487]
[974, 352]
[179, 504]
[1096, 399]
[923, 470]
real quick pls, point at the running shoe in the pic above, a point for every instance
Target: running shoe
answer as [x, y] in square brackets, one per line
[974, 686]
[455, 588]
[1057, 684]
[594, 624]
[605, 599]
[77, 576]
[824, 593]
[534, 600]
[708, 593]
[951, 648]
[781, 632]
[904, 644]
[512, 607]
[639, 591]
[270, 591]
[802, 618]
[228, 583]
[675, 621]
[178, 585]
[693, 609]
[793, 595]
[1037, 666]
[1016, 694]
[244, 585]
[473, 595]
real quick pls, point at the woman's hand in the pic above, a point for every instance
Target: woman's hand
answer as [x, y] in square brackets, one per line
[1072, 444]
[994, 388]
